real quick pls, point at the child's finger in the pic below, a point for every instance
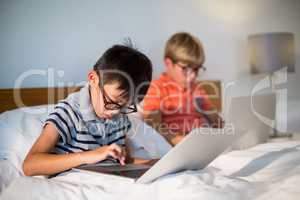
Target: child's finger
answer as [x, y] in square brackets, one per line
[113, 154]
[122, 161]
[116, 148]
[119, 153]
[120, 156]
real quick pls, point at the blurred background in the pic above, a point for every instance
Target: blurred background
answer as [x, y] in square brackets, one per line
[54, 43]
[69, 35]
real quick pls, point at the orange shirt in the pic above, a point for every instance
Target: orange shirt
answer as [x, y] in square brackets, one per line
[180, 108]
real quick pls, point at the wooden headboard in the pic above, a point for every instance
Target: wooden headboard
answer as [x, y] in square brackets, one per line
[16, 98]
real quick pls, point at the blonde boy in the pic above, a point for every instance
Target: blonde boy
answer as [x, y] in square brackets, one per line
[175, 103]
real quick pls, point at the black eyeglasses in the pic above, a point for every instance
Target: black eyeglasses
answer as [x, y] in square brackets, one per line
[186, 70]
[109, 104]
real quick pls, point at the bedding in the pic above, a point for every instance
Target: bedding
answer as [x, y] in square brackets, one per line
[18, 130]
[270, 170]
[267, 171]
[7, 173]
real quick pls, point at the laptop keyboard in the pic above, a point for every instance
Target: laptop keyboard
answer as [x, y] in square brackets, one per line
[127, 167]
[114, 167]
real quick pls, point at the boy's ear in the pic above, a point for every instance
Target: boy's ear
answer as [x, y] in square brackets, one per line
[168, 62]
[93, 78]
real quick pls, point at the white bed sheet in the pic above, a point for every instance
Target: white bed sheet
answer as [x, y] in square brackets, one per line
[267, 171]
[8, 172]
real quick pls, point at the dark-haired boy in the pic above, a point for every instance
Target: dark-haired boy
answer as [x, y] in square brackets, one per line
[90, 126]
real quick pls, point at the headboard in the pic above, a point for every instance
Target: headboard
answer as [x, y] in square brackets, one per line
[16, 98]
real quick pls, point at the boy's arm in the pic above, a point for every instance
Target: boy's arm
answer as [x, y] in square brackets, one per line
[39, 160]
[208, 110]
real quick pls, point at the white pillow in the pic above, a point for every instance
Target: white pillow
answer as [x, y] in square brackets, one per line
[8, 172]
[18, 130]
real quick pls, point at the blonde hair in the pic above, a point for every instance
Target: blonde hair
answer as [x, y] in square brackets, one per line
[185, 48]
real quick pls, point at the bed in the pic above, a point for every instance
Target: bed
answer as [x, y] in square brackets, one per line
[269, 170]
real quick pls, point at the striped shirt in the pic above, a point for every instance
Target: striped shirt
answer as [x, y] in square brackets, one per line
[79, 127]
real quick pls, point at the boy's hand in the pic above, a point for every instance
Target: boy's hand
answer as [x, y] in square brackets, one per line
[173, 138]
[102, 153]
[176, 139]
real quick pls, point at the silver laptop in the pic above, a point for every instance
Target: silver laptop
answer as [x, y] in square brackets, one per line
[201, 146]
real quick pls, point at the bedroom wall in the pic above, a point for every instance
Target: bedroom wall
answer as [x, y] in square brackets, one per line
[68, 36]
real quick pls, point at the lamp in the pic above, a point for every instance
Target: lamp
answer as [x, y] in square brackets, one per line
[270, 52]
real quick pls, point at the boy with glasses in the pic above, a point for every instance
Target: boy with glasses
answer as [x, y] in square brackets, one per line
[175, 103]
[90, 126]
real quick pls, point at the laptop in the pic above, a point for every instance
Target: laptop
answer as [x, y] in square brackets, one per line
[201, 146]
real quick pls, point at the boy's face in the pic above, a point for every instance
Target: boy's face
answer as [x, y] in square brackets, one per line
[108, 94]
[181, 73]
